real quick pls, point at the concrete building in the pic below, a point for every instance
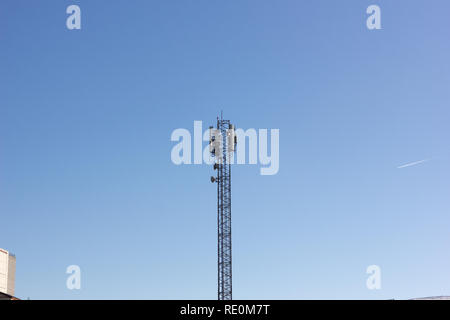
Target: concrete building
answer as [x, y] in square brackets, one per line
[7, 272]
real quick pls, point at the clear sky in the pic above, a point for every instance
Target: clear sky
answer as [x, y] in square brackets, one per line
[86, 176]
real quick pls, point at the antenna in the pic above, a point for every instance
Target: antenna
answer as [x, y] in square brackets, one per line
[222, 145]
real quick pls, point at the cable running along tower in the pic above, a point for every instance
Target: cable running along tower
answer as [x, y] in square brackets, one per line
[222, 145]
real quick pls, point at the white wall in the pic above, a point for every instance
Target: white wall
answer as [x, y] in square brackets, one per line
[3, 270]
[11, 275]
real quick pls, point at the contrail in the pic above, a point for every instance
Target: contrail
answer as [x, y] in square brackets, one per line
[413, 163]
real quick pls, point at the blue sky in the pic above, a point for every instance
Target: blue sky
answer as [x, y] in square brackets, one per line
[85, 171]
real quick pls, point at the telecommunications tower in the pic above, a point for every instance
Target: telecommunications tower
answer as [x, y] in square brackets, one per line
[222, 144]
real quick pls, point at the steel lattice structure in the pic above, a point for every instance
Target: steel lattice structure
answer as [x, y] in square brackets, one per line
[223, 142]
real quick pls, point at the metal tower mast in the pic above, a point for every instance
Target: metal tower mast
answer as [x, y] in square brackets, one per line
[222, 146]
